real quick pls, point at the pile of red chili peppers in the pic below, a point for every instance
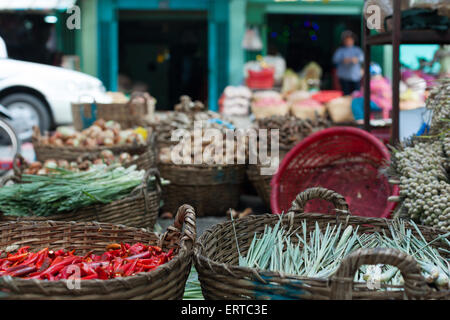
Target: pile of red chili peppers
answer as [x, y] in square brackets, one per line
[119, 260]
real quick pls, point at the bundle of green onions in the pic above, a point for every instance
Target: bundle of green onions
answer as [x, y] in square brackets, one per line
[193, 289]
[66, 190]
[318, 254]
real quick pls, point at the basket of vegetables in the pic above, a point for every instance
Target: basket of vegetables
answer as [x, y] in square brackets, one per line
[72, 260]
[316, 256]
[69, 144]
[112, 194]
[136, 110]
[219, 172]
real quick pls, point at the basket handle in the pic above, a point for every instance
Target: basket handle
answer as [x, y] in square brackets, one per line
[5, 180]
[18, 170]
[298, 205]
[342, 281]
[133, 97]
[36, 136]
[155, 173]
[185, 215]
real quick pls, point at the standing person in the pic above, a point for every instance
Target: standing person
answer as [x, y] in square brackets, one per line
[348, 59]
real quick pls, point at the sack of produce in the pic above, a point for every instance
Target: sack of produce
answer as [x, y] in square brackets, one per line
[135, 111]
[299, 95]
[302, 255]
[235, 100]
[90, 260]
[340, 109]
[267, 104]
[112, 194]
[69, 144]
[308, 109]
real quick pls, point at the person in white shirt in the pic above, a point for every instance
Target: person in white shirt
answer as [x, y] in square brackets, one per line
[3, 51]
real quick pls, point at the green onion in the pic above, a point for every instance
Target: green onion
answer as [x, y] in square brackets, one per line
[66, 190]
[320, 252]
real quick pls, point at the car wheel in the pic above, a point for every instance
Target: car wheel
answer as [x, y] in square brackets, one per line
[27, 111]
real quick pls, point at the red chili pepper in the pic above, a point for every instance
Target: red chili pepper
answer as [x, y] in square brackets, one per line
[60, 252]
[131, 269]
[59, 266]
[17, 257]
[136, 248]
[56, 260]
[88, 255]
[142, 255]
[14, 268]
[147, 266]
[101, 273]
[91, 276]
[22, 271]
[23, 250]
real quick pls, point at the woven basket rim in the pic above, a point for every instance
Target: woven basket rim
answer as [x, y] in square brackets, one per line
[202, 166]
[98, 148]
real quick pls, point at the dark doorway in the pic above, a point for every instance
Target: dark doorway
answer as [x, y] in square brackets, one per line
[301, 39]
[28, 37]
[167, 52]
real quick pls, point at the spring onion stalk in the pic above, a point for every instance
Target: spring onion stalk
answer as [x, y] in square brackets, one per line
[193, 289]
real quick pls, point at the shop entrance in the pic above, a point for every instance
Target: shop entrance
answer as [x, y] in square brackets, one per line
[301, 39]
[165, 53]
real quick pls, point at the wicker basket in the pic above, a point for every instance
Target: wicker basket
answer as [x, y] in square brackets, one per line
[129, 114]
[211, 190]
[165, 282]
[139, 209]
[261, 183]
[216, 260]
[146, 160]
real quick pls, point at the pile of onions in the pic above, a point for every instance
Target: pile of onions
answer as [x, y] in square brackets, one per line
[106, 157]
[101, 133]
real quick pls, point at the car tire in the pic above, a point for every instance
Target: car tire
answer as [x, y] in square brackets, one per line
[35, 103]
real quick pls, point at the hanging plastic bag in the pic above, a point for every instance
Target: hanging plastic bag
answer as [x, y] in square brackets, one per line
[252, 40]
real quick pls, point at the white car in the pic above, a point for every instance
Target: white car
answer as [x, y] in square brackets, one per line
[41, 95]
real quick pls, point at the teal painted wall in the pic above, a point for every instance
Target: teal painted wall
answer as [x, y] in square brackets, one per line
[236, 31]
[218, 54]
[409, 54]
[108, 43]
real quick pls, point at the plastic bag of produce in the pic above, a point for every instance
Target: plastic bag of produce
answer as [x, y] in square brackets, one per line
[290, 82]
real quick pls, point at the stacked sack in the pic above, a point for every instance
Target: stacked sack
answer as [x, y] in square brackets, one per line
[235, 101]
